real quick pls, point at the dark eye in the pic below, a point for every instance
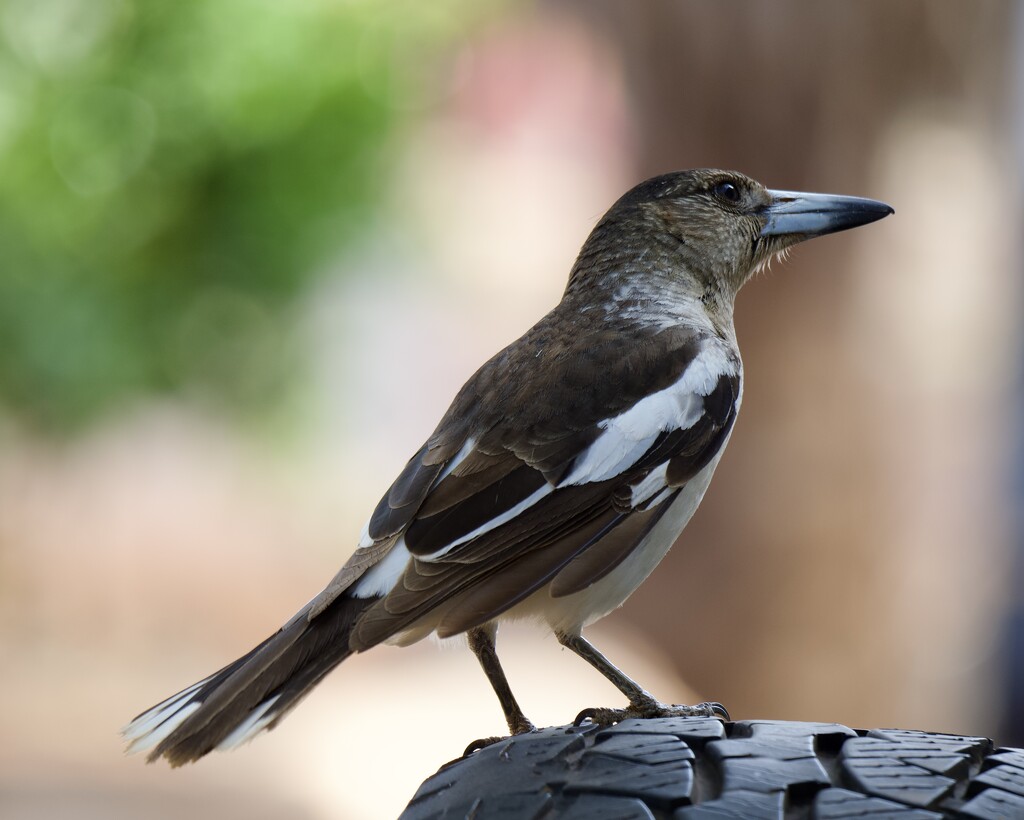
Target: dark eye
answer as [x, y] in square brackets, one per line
[727, 191]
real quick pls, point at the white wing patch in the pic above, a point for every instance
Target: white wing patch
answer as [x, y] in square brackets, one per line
[381, 578]
[630, 434]
[615, 450]
[652, 484]
[706, 369]
[456, 460]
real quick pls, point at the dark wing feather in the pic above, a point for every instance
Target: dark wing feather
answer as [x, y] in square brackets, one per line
[523, 576]
[430, 533]
[475, 473]
[555, 457]
[612, 549]
[708, 435]
[576, 535]
[503, 566]
[688, 452]
[400, 503]
[467, 476]
[512, 424]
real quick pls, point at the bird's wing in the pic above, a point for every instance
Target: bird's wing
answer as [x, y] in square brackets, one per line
[477, 522]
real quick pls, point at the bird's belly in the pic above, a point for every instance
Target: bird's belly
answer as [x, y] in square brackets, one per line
[571, 613]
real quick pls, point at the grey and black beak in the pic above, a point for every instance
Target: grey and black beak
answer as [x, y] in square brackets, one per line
[803, 216]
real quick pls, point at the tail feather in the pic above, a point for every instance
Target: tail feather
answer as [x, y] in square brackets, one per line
[251, 694]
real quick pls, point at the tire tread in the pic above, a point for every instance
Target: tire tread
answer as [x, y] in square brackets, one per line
[708, 769]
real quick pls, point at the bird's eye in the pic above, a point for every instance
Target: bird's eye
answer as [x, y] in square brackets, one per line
[727, 191]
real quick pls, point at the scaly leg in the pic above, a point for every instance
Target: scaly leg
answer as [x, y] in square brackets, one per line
[641, 703]
[481, 641]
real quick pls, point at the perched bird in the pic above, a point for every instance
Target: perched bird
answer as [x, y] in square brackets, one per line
[561, 474]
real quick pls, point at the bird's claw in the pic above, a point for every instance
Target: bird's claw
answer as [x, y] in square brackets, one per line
[480, 743]
[717, 709]
[520, 727]
[605, 716]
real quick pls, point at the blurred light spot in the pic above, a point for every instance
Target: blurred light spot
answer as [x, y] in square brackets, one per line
[100, 137]
[522, 160]
[58, 35]
[400, 54]
[230, 341]
[17, 97]
[936, 289]
[251, 89]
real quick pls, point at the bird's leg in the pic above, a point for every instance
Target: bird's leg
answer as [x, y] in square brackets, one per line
[481, 641]
[642, 704]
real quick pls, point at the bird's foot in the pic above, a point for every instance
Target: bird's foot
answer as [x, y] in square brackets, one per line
[481, 743]
[650, 709]
[521, 727]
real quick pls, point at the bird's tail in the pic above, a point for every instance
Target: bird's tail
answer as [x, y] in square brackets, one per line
[251, 694]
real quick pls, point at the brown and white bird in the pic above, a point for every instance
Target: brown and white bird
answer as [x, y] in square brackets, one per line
[561, 474]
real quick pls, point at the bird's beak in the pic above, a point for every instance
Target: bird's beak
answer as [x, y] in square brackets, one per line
[803, 216]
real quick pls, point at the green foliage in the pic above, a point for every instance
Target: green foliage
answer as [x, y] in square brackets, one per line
[171, 175]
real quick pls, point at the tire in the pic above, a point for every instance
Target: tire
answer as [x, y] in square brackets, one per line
[704, 768]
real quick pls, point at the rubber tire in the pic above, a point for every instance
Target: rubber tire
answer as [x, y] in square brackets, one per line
[689, 768]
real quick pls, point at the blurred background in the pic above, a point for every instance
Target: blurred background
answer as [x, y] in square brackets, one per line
[249, 251]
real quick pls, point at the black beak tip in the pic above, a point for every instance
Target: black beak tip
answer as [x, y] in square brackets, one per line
[880, 211]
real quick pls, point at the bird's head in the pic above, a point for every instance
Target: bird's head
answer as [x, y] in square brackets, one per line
[710, 229]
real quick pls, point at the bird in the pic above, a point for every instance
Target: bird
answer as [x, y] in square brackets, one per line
[561, 474]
